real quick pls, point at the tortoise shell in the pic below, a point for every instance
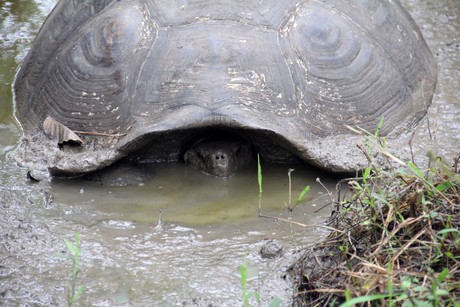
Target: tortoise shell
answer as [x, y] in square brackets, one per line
[149, 75]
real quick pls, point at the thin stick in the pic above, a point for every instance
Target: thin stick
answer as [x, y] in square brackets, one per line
[289, 175]
[321, 290]
[316, 258]
[99, 134]
[410, 146]
[316, 211]
[407, 222]
[426, 109]
[324, 187]
[407, 245]
[297, 223]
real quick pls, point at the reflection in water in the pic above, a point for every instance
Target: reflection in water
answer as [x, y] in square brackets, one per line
[189, 197]
[19, 23]
[209, 225]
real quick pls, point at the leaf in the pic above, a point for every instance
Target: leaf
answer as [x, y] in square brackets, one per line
[303, 193]
[58, 132]
[440, 292]
[367, 171]
[418, 303]
[71, 247]
[444, 186]
[443, 275]
[416, 170]
[79, 291]
[363, 299]
[75, 297]
[447, 230]
[407, 303]
[259, 173]
[402, 297]
[275, 303]
[378, 128]
[406, 284]
[417, 289]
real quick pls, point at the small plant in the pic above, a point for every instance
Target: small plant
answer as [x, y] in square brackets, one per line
[246, 295]
[72, 296]
[289, 206]
[244, 277]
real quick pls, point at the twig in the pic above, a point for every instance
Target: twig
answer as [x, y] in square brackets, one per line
[410, 146]
[296, 223]
[407, 222]
[385, 152]
[320, 290]
[408, 244]
[99, 134]
[316, 258]
[316, 211]
[329, 193]
[426, 109]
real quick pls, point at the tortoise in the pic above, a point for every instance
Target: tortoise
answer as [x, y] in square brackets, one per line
[146, 80]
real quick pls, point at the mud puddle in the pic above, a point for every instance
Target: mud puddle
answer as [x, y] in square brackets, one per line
[209, 227]
[187, 196]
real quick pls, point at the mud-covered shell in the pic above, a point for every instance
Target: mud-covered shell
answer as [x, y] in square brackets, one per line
[298, 72]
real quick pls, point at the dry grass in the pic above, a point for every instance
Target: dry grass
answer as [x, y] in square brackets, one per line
[396, 241]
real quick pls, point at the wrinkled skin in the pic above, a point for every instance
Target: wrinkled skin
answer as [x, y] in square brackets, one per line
[219, 157]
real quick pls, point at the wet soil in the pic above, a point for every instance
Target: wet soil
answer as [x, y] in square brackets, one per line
[128, 259]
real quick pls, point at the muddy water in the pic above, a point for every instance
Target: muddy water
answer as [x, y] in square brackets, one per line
[187, 196]
[209, 225]
[439, 21]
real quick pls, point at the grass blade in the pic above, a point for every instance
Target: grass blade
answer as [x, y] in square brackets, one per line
[303, 193]
[259, 178]
[443, 275]
[70, 246]
[441, 232]
[364, 299]
[275, 303]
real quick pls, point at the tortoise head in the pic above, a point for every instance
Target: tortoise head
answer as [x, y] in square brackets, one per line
[220, 157]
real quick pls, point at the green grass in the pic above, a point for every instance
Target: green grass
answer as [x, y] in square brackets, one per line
[247, 294]
[72, 294]
[396, 240]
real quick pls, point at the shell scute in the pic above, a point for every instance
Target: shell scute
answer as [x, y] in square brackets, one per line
[87, 85]
[350, 78]
[212, 69]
